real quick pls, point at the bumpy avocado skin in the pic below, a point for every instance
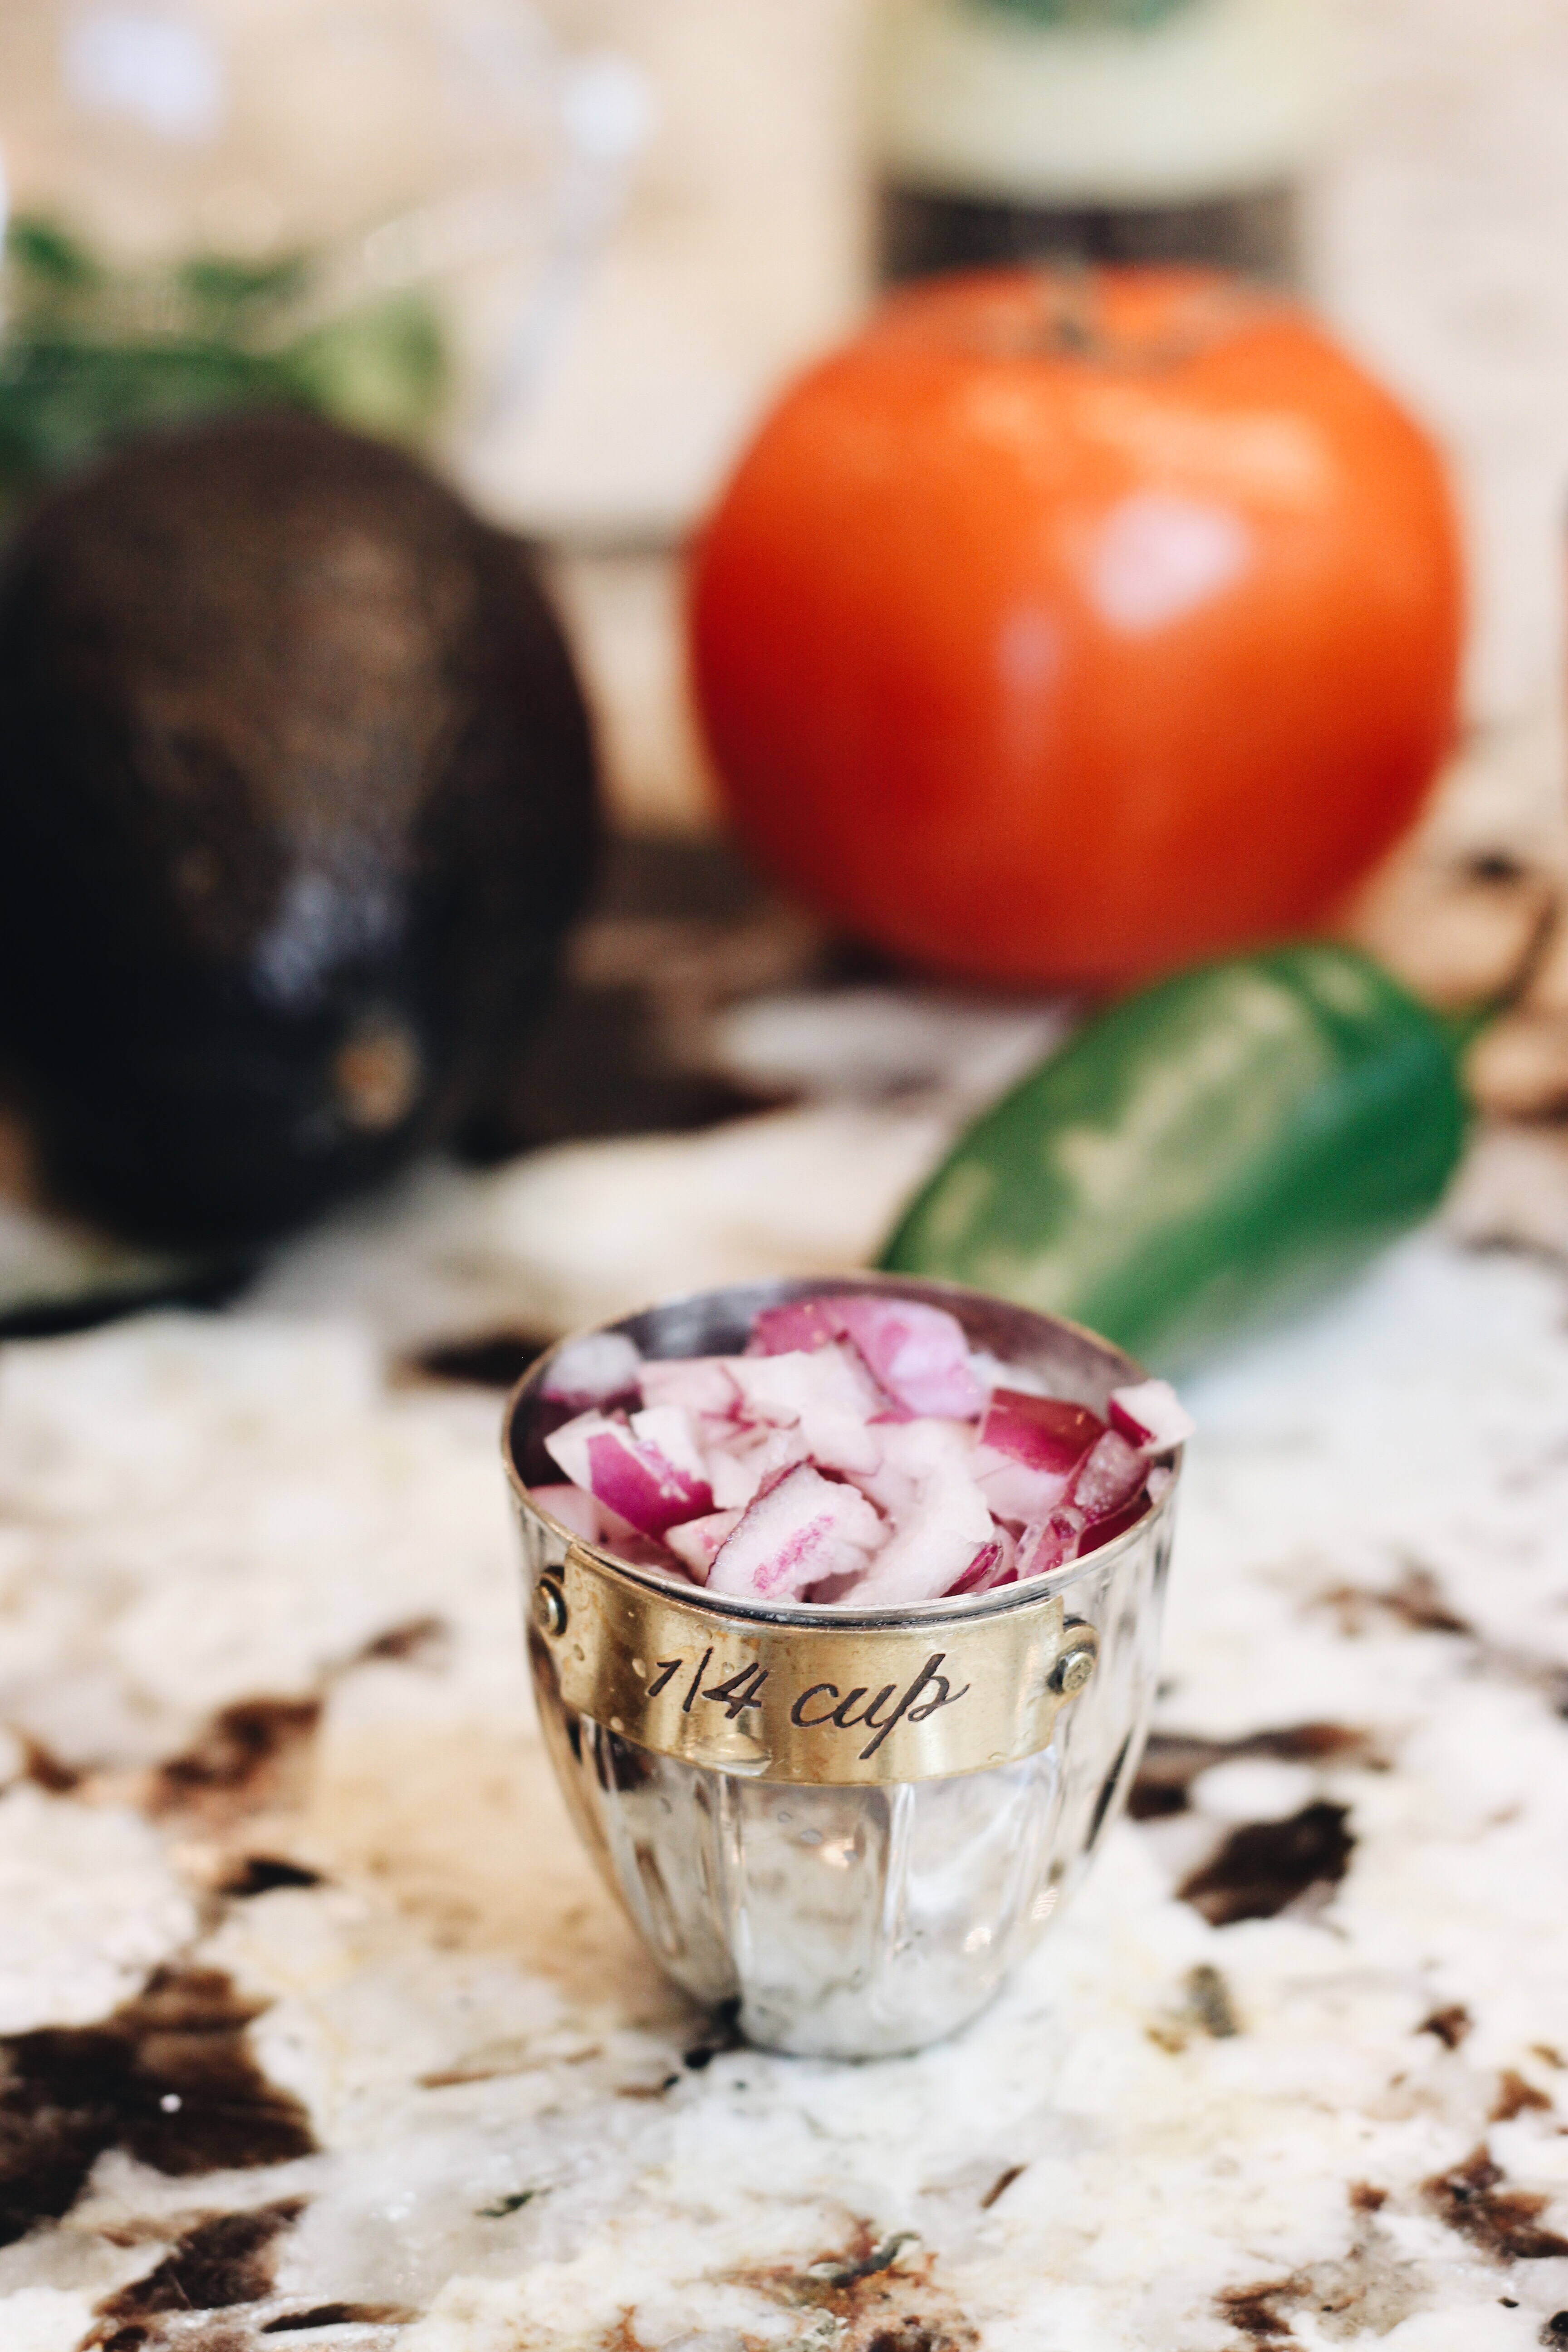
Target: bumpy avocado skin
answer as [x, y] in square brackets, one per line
[296, 800]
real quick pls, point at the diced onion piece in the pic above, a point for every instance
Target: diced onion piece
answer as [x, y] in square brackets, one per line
[1052, 1543]
[573, 1508]
[1050, 1433]
[1115, 1523]
[696, 1543]
[628, 1543]
[699, 1384]
[1150, 1415]
[798, 1329]
[890, 1485]
[627, 1473]
[748, 1461]
[588, 1518]
[913, 1453]
[992, 1374]
[932, 1544]
[593, 1370]
[995, 1563]
[918, 1353]
[1114, 1474]
[826, 1394]
[1013, 1489]
[798, 1532]
[667, 1429]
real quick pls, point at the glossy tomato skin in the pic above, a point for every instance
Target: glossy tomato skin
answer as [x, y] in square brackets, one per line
[1063, 632]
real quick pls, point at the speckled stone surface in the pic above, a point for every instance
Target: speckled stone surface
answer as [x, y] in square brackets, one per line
[319, 2030]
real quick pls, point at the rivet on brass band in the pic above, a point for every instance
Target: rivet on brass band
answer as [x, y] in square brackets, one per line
[550, 1606]
[822, 1702]
[1073, 1669]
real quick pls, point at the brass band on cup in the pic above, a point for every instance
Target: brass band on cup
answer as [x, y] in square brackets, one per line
[829, 1701]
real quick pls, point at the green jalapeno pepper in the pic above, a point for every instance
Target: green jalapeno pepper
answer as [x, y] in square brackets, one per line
[1201, 1154]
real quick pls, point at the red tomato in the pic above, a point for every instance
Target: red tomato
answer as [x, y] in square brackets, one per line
[1065, 630]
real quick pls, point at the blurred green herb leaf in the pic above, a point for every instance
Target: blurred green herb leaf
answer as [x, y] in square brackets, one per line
[91, 357]
[45, 253]
[216, 283]
[381, 368]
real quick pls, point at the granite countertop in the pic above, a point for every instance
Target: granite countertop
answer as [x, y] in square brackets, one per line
[316, 2011]
[318, 2028]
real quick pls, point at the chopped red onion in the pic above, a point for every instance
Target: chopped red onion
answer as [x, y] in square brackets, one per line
[1050, 1433]
[1114, 1474]
[992, 1374]
[995, 1563]
[667, 1430]
[699, 1384]
[1150, 1416]
[696, 1544]
[918, 1353]
[630, 1475]
[748, 1460]
[801, 1529]
[1013, 1489]
[795, 1330]
[577, 1511]
[593, 1370]
[1115, 1523]
[629, 1543]
[1052, 1543]
[827, 1395]
[933, 1543]
[857, 1454]
[910, 1453]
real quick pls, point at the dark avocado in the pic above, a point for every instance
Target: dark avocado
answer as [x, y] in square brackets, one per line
[297, 799]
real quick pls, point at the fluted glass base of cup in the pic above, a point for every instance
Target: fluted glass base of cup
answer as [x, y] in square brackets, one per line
[854, 1923]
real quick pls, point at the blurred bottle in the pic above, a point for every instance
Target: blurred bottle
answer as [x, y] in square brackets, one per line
[1096, 131]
